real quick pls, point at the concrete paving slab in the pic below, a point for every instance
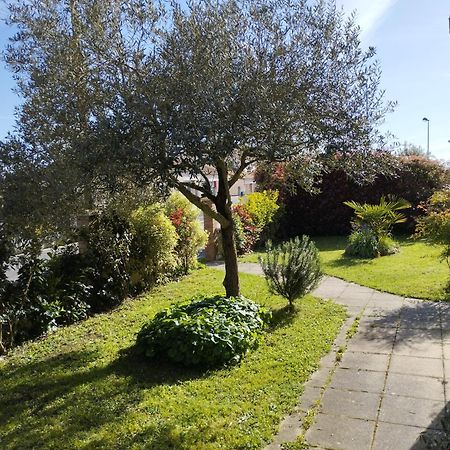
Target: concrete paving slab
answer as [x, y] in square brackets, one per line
[424, 349]
[380, 322]
[411, 411]
[365, 361]
[446, 350]
[309, 398]
[319, 377]
[414, 334]
[358, 380]
[427, 367]
[340, 433]
[415, 386]
[397, 437]
[360, 344]
[358, 405]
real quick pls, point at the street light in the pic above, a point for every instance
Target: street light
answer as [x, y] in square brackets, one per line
[428, 135]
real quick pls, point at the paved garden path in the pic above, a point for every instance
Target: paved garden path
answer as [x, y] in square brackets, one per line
[389, 385]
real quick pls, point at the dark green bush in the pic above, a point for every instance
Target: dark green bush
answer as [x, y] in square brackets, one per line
[362, 243]
[108, 259]
[204, 332]
[292, 269]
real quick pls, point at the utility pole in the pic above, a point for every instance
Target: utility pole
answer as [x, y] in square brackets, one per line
[428, 135]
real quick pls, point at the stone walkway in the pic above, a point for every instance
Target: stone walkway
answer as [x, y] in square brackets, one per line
[390, 384]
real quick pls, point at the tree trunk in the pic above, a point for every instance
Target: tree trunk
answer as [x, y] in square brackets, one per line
[231, 280]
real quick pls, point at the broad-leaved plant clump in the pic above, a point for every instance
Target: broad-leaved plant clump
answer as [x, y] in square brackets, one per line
[204, 332]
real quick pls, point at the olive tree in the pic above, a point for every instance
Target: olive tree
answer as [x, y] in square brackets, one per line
[167, 93]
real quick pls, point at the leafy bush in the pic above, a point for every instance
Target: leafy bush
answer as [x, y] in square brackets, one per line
[45, 295]
[246, 232]
[292, 269]
[362, 243]
[262, 207]
[372, 227]
[190, 236]
[152, 257]
[204, 332]
[109, 237]
[435, 224]
[323, 213]
[253, 215]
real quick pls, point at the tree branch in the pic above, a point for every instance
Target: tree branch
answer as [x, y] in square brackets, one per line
[199, 188]
[224, 222]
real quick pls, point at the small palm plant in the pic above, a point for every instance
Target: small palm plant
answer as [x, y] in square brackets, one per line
[292, 269]
[382, 217]
[373, 226]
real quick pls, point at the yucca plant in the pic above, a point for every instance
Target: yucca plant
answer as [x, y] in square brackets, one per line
[292, 269]
[379, 218]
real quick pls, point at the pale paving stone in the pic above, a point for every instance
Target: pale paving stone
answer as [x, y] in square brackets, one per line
[416, 348]
[319, 377]
[358, 405]
[358, 380]
[414, 334]
[427, 367]
[360, 344]
[365, 361]
[415, 386]
[309, 398]
[397, 437]
[340, 433]
[411, 411]
[380, 322]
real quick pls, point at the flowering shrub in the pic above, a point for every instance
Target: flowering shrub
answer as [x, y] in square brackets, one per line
[435, 224]
[255, 213]
[190, 236]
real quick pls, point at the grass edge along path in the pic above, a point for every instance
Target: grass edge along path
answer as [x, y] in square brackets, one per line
[79, 388]
[416, 271]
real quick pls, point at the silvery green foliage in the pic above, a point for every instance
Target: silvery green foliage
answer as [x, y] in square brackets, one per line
[165, 93]
[292, 269]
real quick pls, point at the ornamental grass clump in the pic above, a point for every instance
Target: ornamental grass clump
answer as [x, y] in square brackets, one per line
[204, 332]
[292, 269]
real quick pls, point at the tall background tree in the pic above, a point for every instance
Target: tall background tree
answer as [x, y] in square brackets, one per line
[166, 93]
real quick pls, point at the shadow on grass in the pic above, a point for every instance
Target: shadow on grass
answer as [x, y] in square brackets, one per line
[60, 399]
[348, 261]
[282, 317]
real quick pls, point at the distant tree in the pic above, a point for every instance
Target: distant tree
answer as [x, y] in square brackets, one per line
[409, 149]
[146, 92]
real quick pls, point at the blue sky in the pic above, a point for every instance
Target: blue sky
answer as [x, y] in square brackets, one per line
[413, 46]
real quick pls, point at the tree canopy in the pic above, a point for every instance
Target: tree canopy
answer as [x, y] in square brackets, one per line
[164, 93]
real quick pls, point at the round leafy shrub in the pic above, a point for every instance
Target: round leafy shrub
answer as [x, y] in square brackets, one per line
[362, 243]
[152, 255]
[204, 332]
[292, 269]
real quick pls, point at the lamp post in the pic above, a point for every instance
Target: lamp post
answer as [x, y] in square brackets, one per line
[428, 135]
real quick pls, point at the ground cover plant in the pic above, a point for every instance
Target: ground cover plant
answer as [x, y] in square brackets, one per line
[79, 387]
[204, 332]
[416, 271]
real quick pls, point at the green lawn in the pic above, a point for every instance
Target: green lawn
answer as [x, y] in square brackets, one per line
[416, 271]
[80, 388]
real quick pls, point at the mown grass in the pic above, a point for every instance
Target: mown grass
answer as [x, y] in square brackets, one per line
[416, 271]
[81, 388]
